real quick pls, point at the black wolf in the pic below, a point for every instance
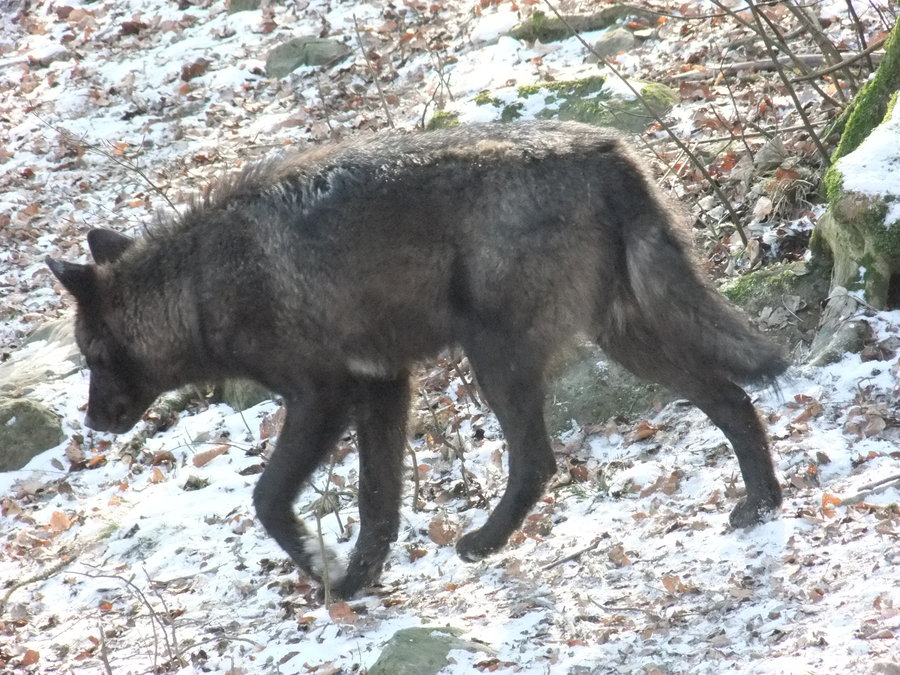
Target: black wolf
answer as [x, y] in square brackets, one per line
[324, 276]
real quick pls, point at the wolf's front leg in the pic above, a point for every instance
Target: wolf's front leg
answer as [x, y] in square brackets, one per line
[383, 406]
[510, 375]
[315, 419]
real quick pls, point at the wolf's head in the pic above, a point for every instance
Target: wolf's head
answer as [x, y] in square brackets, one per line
[121, 387]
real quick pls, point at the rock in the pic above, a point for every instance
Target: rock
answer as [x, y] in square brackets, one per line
[243, 5]
[543, 28]
[27, 428]
[304, 51]
[582, 100]
[614, 41]
[240, 394]
[860, 229]
[589, 389]
[838, 334]
[421, 651]
[785, 300]
[50, 353]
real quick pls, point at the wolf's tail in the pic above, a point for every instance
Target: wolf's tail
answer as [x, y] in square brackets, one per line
[661, 304]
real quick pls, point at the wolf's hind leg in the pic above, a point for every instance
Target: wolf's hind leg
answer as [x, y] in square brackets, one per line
[728, 407]
[383, 406]
[510, 375]
[312, 426]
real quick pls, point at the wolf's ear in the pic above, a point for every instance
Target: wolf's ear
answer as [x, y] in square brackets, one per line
[79, 280]
[107, 246]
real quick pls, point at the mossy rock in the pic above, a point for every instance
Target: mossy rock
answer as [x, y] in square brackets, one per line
[581, 100]
[872, 104]
[34, 364]
[442, 119]
[27, 428]
[787, 296]
[421, 651]
[240, 394]
[243, 5]
[624, 114]
[304, 51]
[543, 28]
[587, 388]
[861, 230]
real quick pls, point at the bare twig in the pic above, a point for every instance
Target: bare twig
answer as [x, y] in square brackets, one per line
[165, 607]
[326, 574]
[470, 388]
[437, 424]
[374, 73]
[41, 576]
[104, 655]
[154, 617]
[572, 556]
[802, 14]
[415, 475]
[324, 104]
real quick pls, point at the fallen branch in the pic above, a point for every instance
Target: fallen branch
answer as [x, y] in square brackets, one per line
[846, 62]
[571, 557]
[871, 489]
[42, 576]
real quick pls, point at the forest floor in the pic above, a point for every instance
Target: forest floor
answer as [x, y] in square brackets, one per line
[114, 561]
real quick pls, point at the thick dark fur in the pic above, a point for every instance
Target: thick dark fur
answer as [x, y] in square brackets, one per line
[326, 275]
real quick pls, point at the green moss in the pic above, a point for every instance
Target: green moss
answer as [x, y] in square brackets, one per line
[484, 98]
[872, 102]
[511, 112]
[834, 185]
[108, 531]
[582, 100]
[660, 97]
[890, 106]
[582, 87]
[753, 284]
[442, 119]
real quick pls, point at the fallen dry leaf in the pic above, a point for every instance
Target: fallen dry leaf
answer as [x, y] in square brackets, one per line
[341, 612]
[441, 531]
[206, 456]
[60, 522]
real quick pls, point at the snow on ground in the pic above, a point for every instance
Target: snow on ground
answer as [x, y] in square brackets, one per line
[151, 559]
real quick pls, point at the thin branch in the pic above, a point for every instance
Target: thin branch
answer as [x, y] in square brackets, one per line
[857, 24]
[415, 475]
[469, 387]
[829, 51]
[374, 73]
[41, 576]
[154, 617]
[104, 654]
[572, 556]
[872, 488]
[801, 65]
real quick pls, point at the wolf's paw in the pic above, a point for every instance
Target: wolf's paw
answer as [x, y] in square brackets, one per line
[748, 513]
[473, 547]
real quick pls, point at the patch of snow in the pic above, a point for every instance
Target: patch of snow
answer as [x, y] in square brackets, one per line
[874, 167]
